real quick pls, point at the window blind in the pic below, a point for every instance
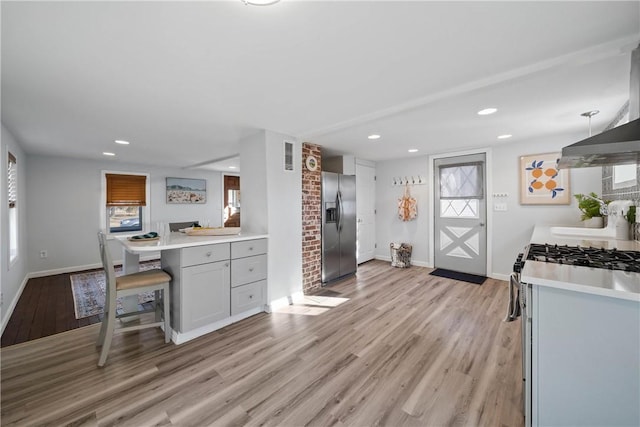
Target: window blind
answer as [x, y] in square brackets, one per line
[461, 181]
[12, 181]
[126, 190]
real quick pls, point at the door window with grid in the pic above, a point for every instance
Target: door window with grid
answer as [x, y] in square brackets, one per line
[461, 190]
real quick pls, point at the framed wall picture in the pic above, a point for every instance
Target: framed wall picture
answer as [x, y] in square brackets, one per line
[186, 190]
[541, 182]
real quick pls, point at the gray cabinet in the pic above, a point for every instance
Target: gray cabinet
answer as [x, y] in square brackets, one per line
[248, 275]
[215, 285]
[206, 293]
[586, 359]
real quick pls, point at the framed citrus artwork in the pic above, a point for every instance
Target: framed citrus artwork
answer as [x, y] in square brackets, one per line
[541, 182]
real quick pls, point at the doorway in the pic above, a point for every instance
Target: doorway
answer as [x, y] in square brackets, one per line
[231, 202]
[460, 232]
[365, 211]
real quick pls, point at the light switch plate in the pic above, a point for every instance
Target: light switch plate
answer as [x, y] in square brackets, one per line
[500, 207]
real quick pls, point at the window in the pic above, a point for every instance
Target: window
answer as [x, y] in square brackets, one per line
[461, 190]
[125, 202]
[12, 196]
[288, 156]
[624, 176]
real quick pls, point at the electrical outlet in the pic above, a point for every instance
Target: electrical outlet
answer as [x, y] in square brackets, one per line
[500, 207]
[43, 254]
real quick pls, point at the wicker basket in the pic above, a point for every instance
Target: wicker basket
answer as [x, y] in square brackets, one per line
[401, 255]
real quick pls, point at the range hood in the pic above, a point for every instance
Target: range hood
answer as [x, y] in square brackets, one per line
[617, 146]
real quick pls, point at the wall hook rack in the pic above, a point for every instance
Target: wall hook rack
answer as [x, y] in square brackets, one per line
[408, 180]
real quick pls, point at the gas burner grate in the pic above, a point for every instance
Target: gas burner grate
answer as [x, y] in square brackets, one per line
[611, 259]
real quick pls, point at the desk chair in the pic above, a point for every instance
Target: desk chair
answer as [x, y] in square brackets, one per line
[131, 284]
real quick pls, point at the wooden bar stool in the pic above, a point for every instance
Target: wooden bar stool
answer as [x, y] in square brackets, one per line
[155, 280]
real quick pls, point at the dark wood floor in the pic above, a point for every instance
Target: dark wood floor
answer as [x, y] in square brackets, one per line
[406, 349]
[44, 308]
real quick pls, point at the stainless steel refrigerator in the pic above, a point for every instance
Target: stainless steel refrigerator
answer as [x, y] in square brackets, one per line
[338, 225]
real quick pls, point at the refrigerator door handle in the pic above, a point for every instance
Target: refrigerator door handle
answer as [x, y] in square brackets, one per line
[340, 211]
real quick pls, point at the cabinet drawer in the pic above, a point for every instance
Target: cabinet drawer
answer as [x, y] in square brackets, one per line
[246, 297]
[249, 269]
[203, 254]
[248, 248]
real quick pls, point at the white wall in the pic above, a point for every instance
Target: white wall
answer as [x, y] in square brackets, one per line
[64, 208]
[272, 203]
[253, 184]
[510, 230]
[12, 276]
[389, 228]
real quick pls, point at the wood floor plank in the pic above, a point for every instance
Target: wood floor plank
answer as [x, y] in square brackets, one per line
[405, 349]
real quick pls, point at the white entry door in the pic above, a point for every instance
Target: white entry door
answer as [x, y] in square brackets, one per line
[460, 214]
[366, 211]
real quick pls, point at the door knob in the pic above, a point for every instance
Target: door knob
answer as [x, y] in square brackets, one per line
[481, 224]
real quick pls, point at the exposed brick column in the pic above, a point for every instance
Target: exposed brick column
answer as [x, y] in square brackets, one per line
[311, 220]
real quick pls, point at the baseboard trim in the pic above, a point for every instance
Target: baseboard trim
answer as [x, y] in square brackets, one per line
[182, 337]
[499, 276]
[14, 302]
[285, 301]
[413, 262]
[78, 268]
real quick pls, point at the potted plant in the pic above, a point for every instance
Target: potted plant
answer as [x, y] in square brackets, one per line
[590, 207]
[631, 218]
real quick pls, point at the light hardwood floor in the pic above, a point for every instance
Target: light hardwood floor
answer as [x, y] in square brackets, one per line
[406, 349]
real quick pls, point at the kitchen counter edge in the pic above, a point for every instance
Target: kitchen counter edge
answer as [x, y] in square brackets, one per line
[603, 282]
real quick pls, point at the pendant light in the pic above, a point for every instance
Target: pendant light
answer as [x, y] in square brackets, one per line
[590, 114]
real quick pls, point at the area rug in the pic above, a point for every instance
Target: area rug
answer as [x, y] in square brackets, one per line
[455, 275]
[89, 291]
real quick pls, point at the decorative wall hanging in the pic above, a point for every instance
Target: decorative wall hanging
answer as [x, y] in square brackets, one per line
[185, 190]
[541, 182]
[407, 206]
[312, 163]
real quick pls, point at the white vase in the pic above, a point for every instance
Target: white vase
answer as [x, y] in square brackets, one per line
[595, 222]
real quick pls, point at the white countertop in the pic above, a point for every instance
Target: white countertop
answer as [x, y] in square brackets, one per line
[177, 240]
[598, 281]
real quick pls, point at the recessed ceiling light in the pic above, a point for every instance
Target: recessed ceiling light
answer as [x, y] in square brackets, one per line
[413, 150]
[106, 153]
[121, 142]
[505, 136]
[232, 167]
[487, 111]
[260, 2]
[374, 136]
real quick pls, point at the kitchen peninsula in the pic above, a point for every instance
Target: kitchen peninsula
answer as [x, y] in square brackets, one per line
[582, 329]
[217, 280]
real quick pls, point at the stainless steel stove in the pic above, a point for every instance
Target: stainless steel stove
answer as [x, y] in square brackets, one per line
[611, 259]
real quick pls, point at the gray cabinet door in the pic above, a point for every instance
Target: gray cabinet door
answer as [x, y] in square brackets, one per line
[207, 293]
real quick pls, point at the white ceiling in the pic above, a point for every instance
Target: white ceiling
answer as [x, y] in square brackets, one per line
[184, 81]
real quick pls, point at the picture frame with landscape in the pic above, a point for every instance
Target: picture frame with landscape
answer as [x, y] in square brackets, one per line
[186, 190]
